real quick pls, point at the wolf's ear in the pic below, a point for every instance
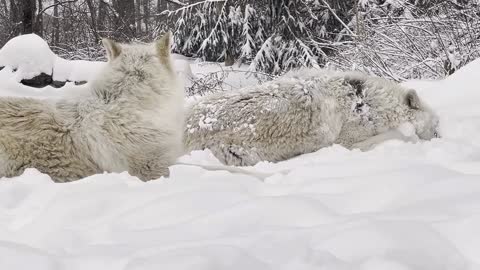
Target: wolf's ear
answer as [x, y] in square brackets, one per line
[113, 49]
[356, 83]
[412, 100]
[163, 46]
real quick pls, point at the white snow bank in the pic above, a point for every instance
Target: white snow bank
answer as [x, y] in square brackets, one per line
[401, 206]
[29, 54]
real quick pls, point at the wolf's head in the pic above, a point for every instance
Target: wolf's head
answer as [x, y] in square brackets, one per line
[134, 69]
[134, 57]
[424, 120]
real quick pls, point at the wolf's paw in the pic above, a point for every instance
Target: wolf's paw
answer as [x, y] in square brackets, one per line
[363, 146]
[236, 155]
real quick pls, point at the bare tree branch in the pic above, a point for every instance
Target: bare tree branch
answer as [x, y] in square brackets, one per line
[56, 4]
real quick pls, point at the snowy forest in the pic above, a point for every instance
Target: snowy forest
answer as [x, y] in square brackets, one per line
[397, 39]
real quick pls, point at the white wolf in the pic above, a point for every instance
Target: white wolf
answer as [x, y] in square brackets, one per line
[303, 112]
[129, 119]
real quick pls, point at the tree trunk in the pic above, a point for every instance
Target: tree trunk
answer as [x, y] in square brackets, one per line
[229, 46]
[38, 26]
[161, 5]
[28, 16]
[4, 7]
[15, 16]
[102, 11]
[138, 16]
[56, 25]
[93, 20]
[146, 15]
[229, 59]
[126, 19]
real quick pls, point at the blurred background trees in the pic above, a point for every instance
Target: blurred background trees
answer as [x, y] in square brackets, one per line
[400, 39]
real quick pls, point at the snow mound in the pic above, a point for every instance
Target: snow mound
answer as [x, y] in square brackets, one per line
[29, 54]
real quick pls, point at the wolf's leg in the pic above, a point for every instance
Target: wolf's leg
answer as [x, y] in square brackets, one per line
[150, 167]
[393, 134]
[235, 155]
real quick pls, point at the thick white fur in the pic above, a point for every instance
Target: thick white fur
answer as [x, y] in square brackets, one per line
[302, 112]
[130, 118]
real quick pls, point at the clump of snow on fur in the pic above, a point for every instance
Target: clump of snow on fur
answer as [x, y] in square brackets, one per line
[206, 122]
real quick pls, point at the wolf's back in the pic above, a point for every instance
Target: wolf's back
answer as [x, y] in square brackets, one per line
[33, 135]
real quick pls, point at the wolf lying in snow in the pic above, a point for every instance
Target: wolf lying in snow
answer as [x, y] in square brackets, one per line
[130, 119]
[303, 112]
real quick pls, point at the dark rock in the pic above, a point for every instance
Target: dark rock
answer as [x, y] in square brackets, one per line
[39, 81]
[43, 80]
[80, 82]
[58, 84]
[1, 68]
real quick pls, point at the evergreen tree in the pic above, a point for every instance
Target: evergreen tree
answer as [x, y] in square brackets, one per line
[273, 35]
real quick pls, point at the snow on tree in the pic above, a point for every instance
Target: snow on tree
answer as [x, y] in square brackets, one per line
[274, 36]
[405, 39]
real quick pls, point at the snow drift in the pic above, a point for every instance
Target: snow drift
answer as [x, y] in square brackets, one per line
[400, 206]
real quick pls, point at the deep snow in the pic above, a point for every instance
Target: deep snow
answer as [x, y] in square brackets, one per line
[400, 206]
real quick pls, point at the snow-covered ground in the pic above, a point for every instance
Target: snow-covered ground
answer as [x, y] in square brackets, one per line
[400, 206]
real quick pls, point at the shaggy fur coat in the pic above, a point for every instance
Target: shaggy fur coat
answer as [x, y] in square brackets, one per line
[300, 113]
[129, 119]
